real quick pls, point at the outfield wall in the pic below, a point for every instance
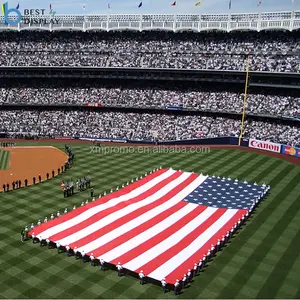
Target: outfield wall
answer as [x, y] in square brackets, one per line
[221, 141]
[211, 141]
[251, 143]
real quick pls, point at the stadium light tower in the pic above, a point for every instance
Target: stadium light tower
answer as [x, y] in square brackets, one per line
[245, 101]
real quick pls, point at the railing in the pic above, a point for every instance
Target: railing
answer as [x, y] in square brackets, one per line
[196, 22]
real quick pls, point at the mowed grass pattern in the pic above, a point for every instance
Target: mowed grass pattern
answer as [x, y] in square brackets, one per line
[4, 159]
[261, 261]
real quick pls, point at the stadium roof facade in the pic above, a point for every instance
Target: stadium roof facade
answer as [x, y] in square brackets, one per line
[289, 20]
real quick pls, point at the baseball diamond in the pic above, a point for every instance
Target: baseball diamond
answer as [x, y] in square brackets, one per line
[250, 266]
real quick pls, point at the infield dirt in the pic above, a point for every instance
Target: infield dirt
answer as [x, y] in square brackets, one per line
[29, 162]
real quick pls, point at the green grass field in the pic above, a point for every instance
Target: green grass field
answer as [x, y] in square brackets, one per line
[261, 261]
[4, 159]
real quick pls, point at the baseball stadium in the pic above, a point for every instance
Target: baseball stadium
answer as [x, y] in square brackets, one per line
[150, 149]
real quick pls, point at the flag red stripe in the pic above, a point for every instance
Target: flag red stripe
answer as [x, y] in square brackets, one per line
[37, 230]
[189, 263]
[165, 256]
[135, 252]
[148, 224]
[96, 234]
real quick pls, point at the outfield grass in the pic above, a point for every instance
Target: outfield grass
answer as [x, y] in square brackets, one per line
[4, 159]
[261, 261]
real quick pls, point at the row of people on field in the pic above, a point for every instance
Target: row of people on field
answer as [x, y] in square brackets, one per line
[17, 184]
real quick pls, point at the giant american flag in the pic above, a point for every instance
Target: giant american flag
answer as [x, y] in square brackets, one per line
[161, 224]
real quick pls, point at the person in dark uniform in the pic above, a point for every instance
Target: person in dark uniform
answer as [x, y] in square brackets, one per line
[68, 189]
[142, 277]
[47, 176]
[92, 259]
[4, 187]
[184, 281]
[164, 285]
[26, 182]
[119, 268]
[34, 239]
[77, 254]
[59, 247]
[20, 184]
[7, 187]
[33, 179]
[26, 232]
[102, 264]
[84, 256]
[68, 250]
[72, 187]
[177, 286]
[53, 173]
[189, 275]
[22, 235]
[58, 171]
[65, 192]
[40, 178]
[92, 192]
[13, 185]
[17, 184]
[89, 180]
[42, 242]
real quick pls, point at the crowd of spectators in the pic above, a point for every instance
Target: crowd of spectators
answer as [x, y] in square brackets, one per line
[222, 101]
[275, 52]
[134, 126]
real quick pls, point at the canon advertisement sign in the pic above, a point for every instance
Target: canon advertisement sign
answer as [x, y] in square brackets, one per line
[263, 145]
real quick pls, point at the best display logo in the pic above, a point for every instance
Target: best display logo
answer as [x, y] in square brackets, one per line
[30, 16]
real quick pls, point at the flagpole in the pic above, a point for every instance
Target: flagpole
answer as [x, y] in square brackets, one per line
[245, 100]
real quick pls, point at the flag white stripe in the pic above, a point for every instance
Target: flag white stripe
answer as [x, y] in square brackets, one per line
[96, 209]
[173, 263]
[172, 240]
[151, 232]
[119, 214]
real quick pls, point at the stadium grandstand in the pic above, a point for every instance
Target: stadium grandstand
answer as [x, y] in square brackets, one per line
[152, 81]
